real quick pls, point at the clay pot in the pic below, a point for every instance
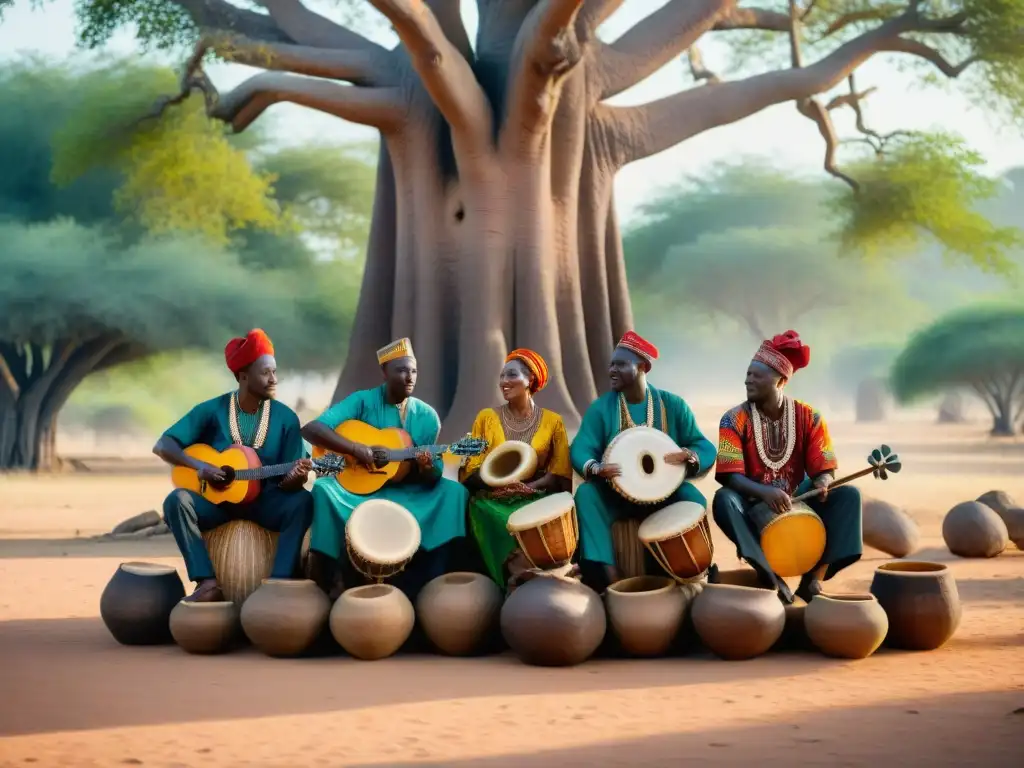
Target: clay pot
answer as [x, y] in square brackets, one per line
[740, 577]
[794, 633]
[284, 616]
[998, 501]
[459, 612]
[972, 529]
[242, 554]
[1014, 519]
[738, 622]
[553, 622]
[646, 613]
[205, 627]
[372, 622]
[921, 601]
[1004, 506]
[889, 529]
[846, 626]
[137, 602]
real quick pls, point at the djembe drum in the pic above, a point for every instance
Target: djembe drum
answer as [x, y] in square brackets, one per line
[511, 462]
[792, 542]
[547, 530]
[381, 538]
[679, 537]
[640, 454]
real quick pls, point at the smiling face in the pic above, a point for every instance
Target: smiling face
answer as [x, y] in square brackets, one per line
[762, 383]
[400, 378]
[624, 369]
[515, 380]
[260, 378]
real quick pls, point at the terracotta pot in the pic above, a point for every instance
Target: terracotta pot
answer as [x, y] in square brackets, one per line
[738, 622]
[284, 616]
[553, 622]
[137, 602]
[372, 622]
[205, 627]
[242, 554]
[740, 577]
[459, 612]
[972, 529]
[846, 626]
[921, 601]
[646, 613]
[889, 529]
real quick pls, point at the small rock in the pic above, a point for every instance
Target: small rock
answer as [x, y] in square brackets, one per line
[1014, 519]
[138, 522]
[972, 529]
[889, 529]
[997, 501]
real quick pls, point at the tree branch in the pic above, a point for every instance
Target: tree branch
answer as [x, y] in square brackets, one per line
[307, 27]
[592, 14]
[548, 50]
[445, 74]
[219, 14]
[813, 110]
[752, 18]
[654, 41]
[926, 52]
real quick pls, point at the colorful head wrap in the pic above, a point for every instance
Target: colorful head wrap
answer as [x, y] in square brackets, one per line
[535, 363]
[639, 346]
[240, 353]
[785, 354]
[395, 350]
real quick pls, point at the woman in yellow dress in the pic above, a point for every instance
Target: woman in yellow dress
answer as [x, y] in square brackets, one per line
[524, 374]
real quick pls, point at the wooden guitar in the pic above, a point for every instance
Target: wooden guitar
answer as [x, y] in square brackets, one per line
[243, 473]
[392, 450]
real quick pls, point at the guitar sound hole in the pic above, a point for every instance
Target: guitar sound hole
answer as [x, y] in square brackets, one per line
[647, 464]
[229, 477]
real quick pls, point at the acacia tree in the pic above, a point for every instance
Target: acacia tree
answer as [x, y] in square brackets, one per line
[494, 224]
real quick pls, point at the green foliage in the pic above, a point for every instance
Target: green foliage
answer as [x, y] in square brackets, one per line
[158, 24]
[928, 185]
[964, 348]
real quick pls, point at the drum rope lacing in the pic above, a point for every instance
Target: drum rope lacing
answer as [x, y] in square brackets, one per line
[788, 423]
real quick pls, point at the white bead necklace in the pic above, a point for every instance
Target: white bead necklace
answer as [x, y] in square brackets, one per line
[788, 424]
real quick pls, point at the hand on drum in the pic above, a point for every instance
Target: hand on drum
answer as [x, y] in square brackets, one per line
[607, 471]
[678, 458]
[777, 499]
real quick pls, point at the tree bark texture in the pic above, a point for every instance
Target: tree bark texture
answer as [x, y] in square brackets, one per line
[494, 222]
[35, 383]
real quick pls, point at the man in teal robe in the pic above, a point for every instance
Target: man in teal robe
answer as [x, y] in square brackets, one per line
[249, 416]
[632, 402]
[438, 504]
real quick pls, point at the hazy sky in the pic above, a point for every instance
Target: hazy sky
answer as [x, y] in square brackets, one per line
[779, 133]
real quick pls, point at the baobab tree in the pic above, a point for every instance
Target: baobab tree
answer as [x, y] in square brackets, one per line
[494, 221]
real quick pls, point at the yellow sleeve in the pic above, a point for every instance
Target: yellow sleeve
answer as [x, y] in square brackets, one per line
[558, 462]
[482, 430]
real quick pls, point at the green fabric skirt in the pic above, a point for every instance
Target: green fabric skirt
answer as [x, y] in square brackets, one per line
[487, 520]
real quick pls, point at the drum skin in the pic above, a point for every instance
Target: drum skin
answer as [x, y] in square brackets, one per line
[640, 453]
[794, 541]
[511, 462]
[381, 538]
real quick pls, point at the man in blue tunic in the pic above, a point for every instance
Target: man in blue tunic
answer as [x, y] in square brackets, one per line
[249, 416]
[438, 504]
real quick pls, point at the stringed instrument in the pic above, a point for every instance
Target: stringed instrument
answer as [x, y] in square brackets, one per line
[243, 472]
[393, 449]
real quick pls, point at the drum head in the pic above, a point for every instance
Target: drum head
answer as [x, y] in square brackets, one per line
[541, 511]
[640, 452]
[512, 461]
[147, 569]
[383, 532]
[671, 521]
[794, 542]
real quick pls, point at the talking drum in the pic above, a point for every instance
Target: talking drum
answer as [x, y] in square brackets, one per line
[511, 462]
[381, 538]
[794, 541]
[679, 537]
[547, 530]
[646, 477]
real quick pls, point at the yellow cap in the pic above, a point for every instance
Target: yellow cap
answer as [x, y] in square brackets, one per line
[394, 350]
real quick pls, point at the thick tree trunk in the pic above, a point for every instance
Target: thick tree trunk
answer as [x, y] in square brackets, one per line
[870, 401]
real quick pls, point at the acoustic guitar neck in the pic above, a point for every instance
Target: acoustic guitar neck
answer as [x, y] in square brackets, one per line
[407, 454]
[262, 473]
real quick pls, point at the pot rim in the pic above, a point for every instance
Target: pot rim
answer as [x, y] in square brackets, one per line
[907, 568]
[223, 604]
[377, 590]
[456, 578]
[854, 597]
[667, 584]
[287, 582]
[142, 568]
[739, 587]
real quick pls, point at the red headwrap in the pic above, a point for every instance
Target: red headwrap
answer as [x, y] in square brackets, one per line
[785, 354]
[635, 344]
[243, 352]
[534, 362]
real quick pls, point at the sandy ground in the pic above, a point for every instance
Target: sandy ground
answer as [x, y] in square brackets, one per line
[72, 696]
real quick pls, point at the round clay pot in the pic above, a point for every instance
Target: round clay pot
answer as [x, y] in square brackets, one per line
[284, 616]
[137, 602]
[972, 529]
[459, 612]
[740, 577]
[646, 613]
[1014, 519]
[738, 622]
[998, 501]
[372, 622]
[553, 622]
[921, 601]
[205, 627]
[1004, 506]
[846, 626]
[889, 529]
[242, 554]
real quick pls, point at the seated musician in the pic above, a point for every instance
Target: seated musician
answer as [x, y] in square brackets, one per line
[438, 504]
[632, 402]
[773, 447]
[525, 373]
[249, 416]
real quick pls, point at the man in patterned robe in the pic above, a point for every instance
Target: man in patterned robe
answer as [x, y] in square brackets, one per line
[772, 448]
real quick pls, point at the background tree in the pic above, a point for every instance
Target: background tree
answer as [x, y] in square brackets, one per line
[494, 223]
[861, 371]
[980, 348]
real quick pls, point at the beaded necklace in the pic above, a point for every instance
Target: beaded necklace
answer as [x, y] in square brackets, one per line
[248, 428]
[773, 455]
[515, 428]
[625, 418]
